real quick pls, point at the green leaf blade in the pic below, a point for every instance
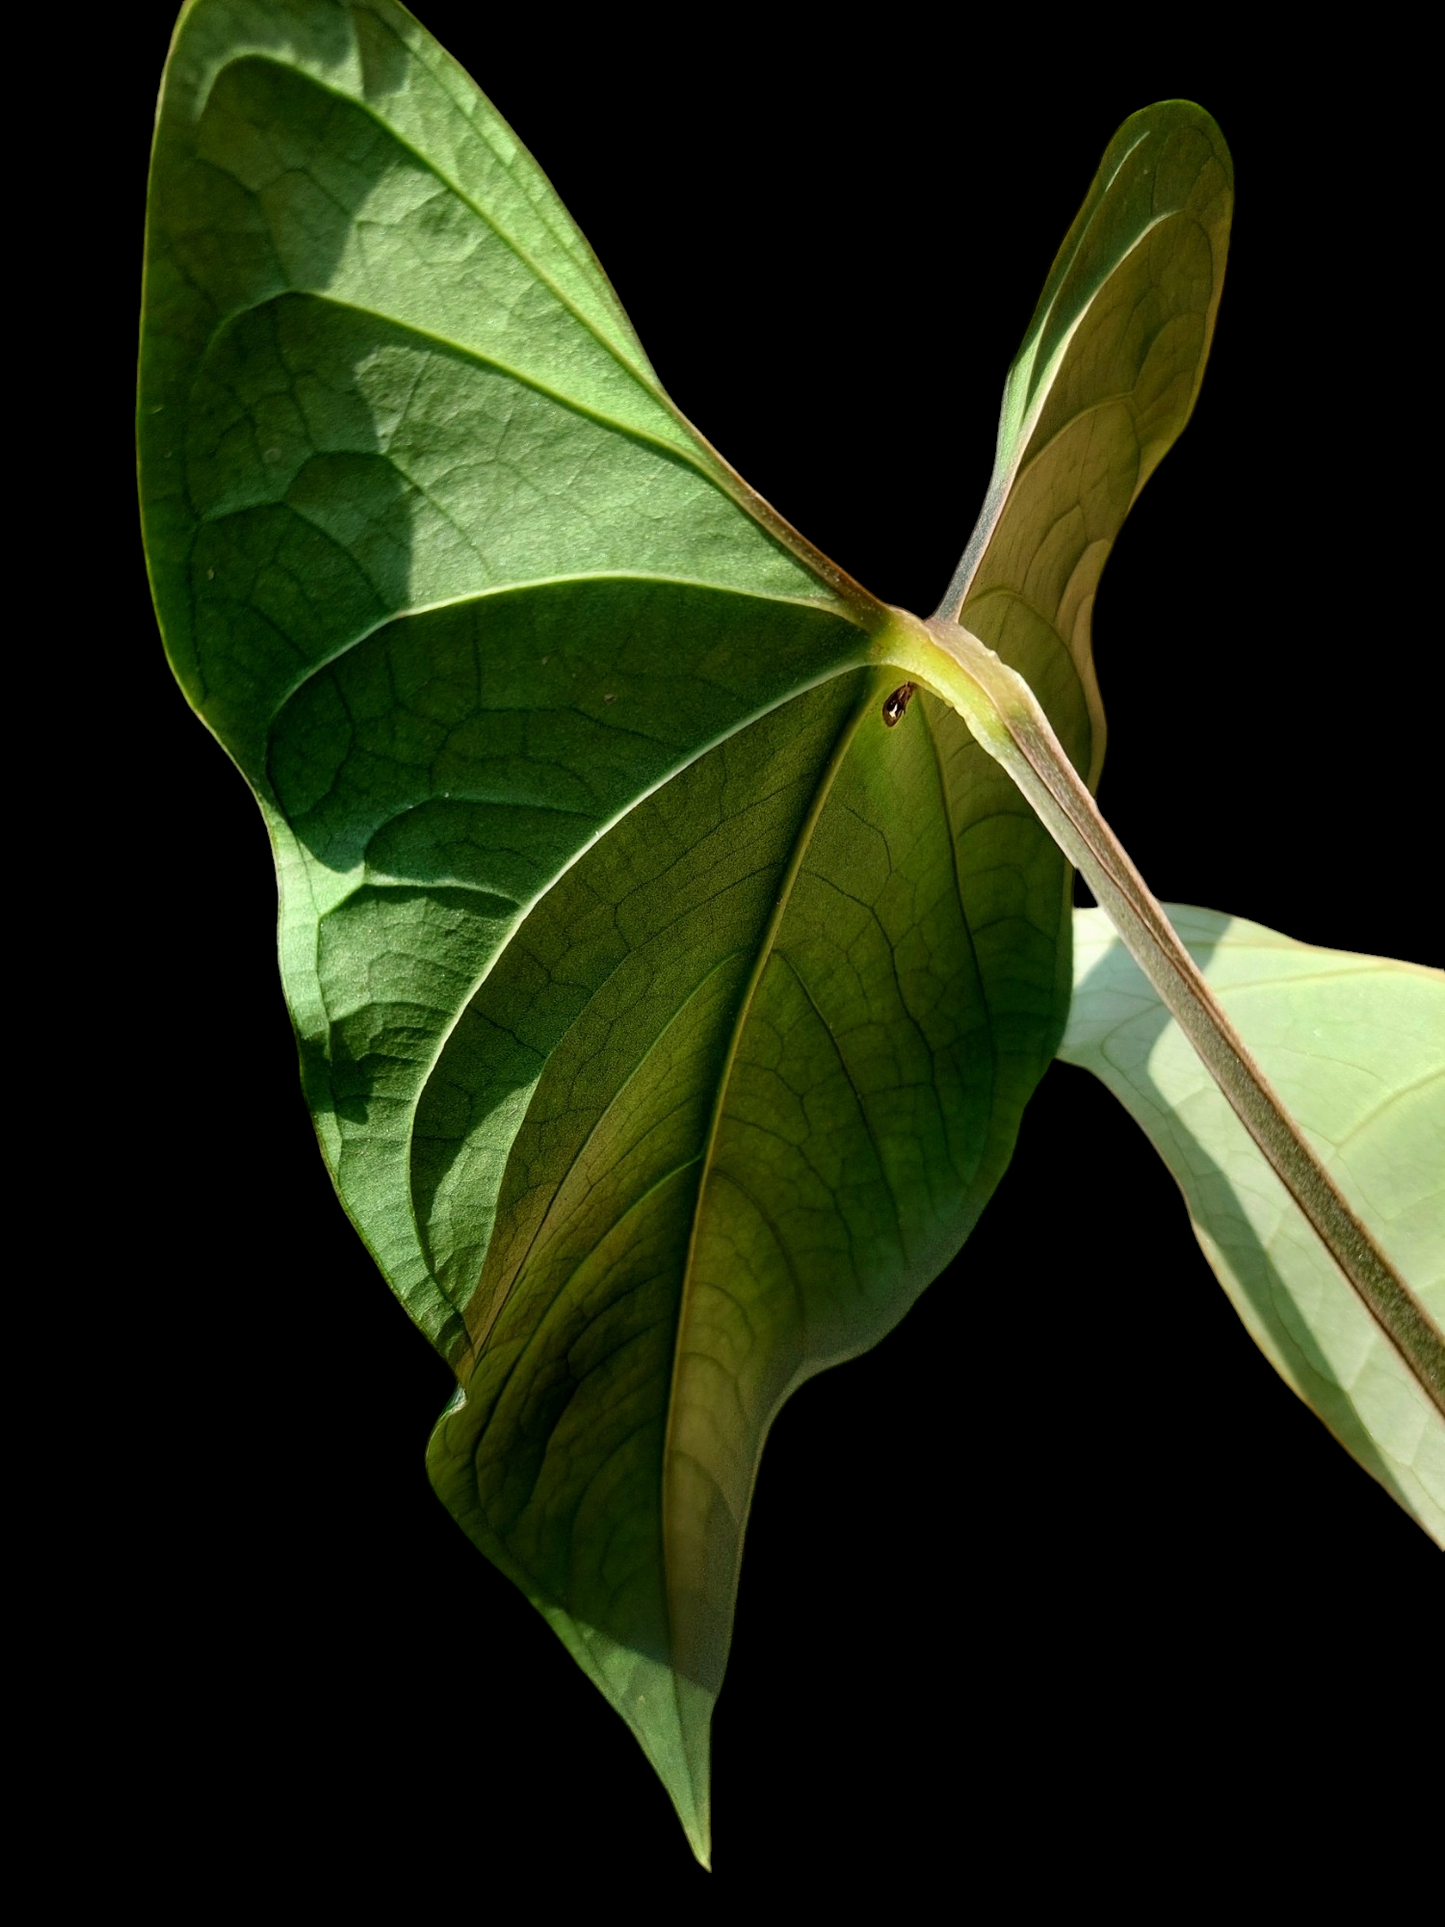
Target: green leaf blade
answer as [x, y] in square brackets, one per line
[666, 1017]
[1356, 1047]
[853, 1069]
[1104, 383]
[338, 337]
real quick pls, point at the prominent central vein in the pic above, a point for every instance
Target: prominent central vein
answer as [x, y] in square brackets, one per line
[801, 845]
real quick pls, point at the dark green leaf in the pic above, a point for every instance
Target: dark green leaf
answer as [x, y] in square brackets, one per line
[666, 1014]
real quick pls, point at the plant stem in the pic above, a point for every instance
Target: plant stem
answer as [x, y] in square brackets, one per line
[1006, 719]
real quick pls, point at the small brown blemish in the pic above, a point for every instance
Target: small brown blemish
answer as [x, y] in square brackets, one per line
[896, 704]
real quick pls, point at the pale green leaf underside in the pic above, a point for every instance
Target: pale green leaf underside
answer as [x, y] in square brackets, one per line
[1355, 1046]
[666, 1018]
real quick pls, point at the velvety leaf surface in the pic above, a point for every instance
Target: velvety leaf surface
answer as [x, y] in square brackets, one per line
[1355, 1046]
[666, 1017]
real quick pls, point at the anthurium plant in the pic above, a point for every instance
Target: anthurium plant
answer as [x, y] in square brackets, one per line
[675, 930]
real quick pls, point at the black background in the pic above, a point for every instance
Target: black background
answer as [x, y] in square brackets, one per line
[1064, 1539]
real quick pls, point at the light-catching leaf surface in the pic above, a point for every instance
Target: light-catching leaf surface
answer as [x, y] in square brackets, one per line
[1107, 376]
[1355, 1046]
[666, 1016]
